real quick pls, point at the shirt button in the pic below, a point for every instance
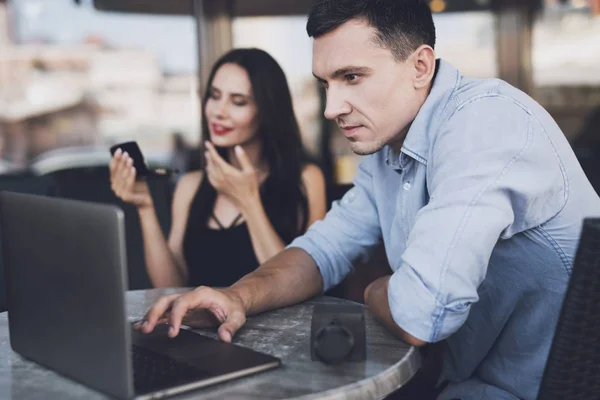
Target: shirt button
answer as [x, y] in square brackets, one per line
[349, 197]
[407, 186]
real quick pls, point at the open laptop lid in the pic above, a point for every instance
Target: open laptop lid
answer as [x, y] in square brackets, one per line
[65, 265]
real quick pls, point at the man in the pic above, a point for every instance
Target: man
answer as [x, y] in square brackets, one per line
[470, 184]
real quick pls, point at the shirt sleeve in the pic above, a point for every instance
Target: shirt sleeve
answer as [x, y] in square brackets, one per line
[349, 232]
[492, 173]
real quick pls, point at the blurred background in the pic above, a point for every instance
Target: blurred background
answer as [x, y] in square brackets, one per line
[87, 74]
[77, 76]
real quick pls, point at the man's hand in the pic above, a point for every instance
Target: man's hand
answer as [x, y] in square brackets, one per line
[376, 298]
[201, 307]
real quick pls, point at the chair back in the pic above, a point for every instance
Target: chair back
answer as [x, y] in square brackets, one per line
[573, 368]
[93, 184]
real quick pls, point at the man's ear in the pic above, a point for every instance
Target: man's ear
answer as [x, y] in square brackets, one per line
[424, 64]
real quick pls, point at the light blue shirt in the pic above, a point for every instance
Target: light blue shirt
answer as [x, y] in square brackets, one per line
[480, 213]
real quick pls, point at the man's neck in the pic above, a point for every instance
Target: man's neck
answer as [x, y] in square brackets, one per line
[396, 145]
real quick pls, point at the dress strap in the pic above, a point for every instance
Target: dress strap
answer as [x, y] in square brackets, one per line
[236, 220]
[221, 226]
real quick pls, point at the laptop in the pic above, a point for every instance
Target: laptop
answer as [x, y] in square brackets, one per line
[66, 278]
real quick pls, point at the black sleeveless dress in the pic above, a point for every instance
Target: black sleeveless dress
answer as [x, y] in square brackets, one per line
[217, 257]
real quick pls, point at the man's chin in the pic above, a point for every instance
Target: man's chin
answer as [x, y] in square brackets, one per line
[364, 149]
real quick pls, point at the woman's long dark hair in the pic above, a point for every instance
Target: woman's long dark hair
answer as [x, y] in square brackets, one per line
[282, 193]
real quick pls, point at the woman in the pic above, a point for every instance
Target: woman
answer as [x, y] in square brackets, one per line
[255, 194]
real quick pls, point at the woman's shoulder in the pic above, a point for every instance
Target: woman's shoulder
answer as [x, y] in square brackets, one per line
[188, 185]
[311, 172]
[191, 178]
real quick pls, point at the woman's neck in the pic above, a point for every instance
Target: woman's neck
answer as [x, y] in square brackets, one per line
[253, 150]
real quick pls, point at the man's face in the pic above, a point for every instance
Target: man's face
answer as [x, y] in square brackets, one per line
[370, 95]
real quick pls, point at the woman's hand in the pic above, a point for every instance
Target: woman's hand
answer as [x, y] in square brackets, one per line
[239, 185]
[123, 183]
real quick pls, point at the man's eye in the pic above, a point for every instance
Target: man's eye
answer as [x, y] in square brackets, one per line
[352, 77]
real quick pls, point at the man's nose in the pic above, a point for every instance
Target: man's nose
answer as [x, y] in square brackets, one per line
[336, 105]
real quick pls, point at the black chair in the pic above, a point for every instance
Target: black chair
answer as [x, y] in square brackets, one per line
[573, 368]
[93, 184]
[354, 285]
[336, 191]
[21, 183]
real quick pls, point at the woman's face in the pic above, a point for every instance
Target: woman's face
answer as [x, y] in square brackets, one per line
[230, 111]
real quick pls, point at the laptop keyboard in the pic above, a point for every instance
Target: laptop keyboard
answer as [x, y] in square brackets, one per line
[153, 371]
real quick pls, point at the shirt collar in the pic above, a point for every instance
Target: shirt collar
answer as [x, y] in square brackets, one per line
[416, 143]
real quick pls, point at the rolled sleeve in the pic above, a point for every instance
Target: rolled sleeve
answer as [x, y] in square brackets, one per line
[491, 175]
[426, 318]
[332, 270]
[350, 232]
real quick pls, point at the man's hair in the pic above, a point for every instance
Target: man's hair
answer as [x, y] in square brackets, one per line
[402, 25]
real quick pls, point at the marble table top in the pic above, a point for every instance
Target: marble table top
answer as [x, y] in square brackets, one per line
[284, 333]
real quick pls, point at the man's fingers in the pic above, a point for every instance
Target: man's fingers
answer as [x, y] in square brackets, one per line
[200, 319]
[155, 313]
[229, 328]
[138, 325]
[179, 308]
[181, 305]
[195, 306]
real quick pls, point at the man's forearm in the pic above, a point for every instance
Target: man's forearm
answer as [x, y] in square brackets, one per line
[376, 298]
[287, 278]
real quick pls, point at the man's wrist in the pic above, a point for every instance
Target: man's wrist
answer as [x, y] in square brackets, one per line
[376, 299]
[376, 286]
[236, 295]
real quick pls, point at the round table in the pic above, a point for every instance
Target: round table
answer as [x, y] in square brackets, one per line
[284, 333]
